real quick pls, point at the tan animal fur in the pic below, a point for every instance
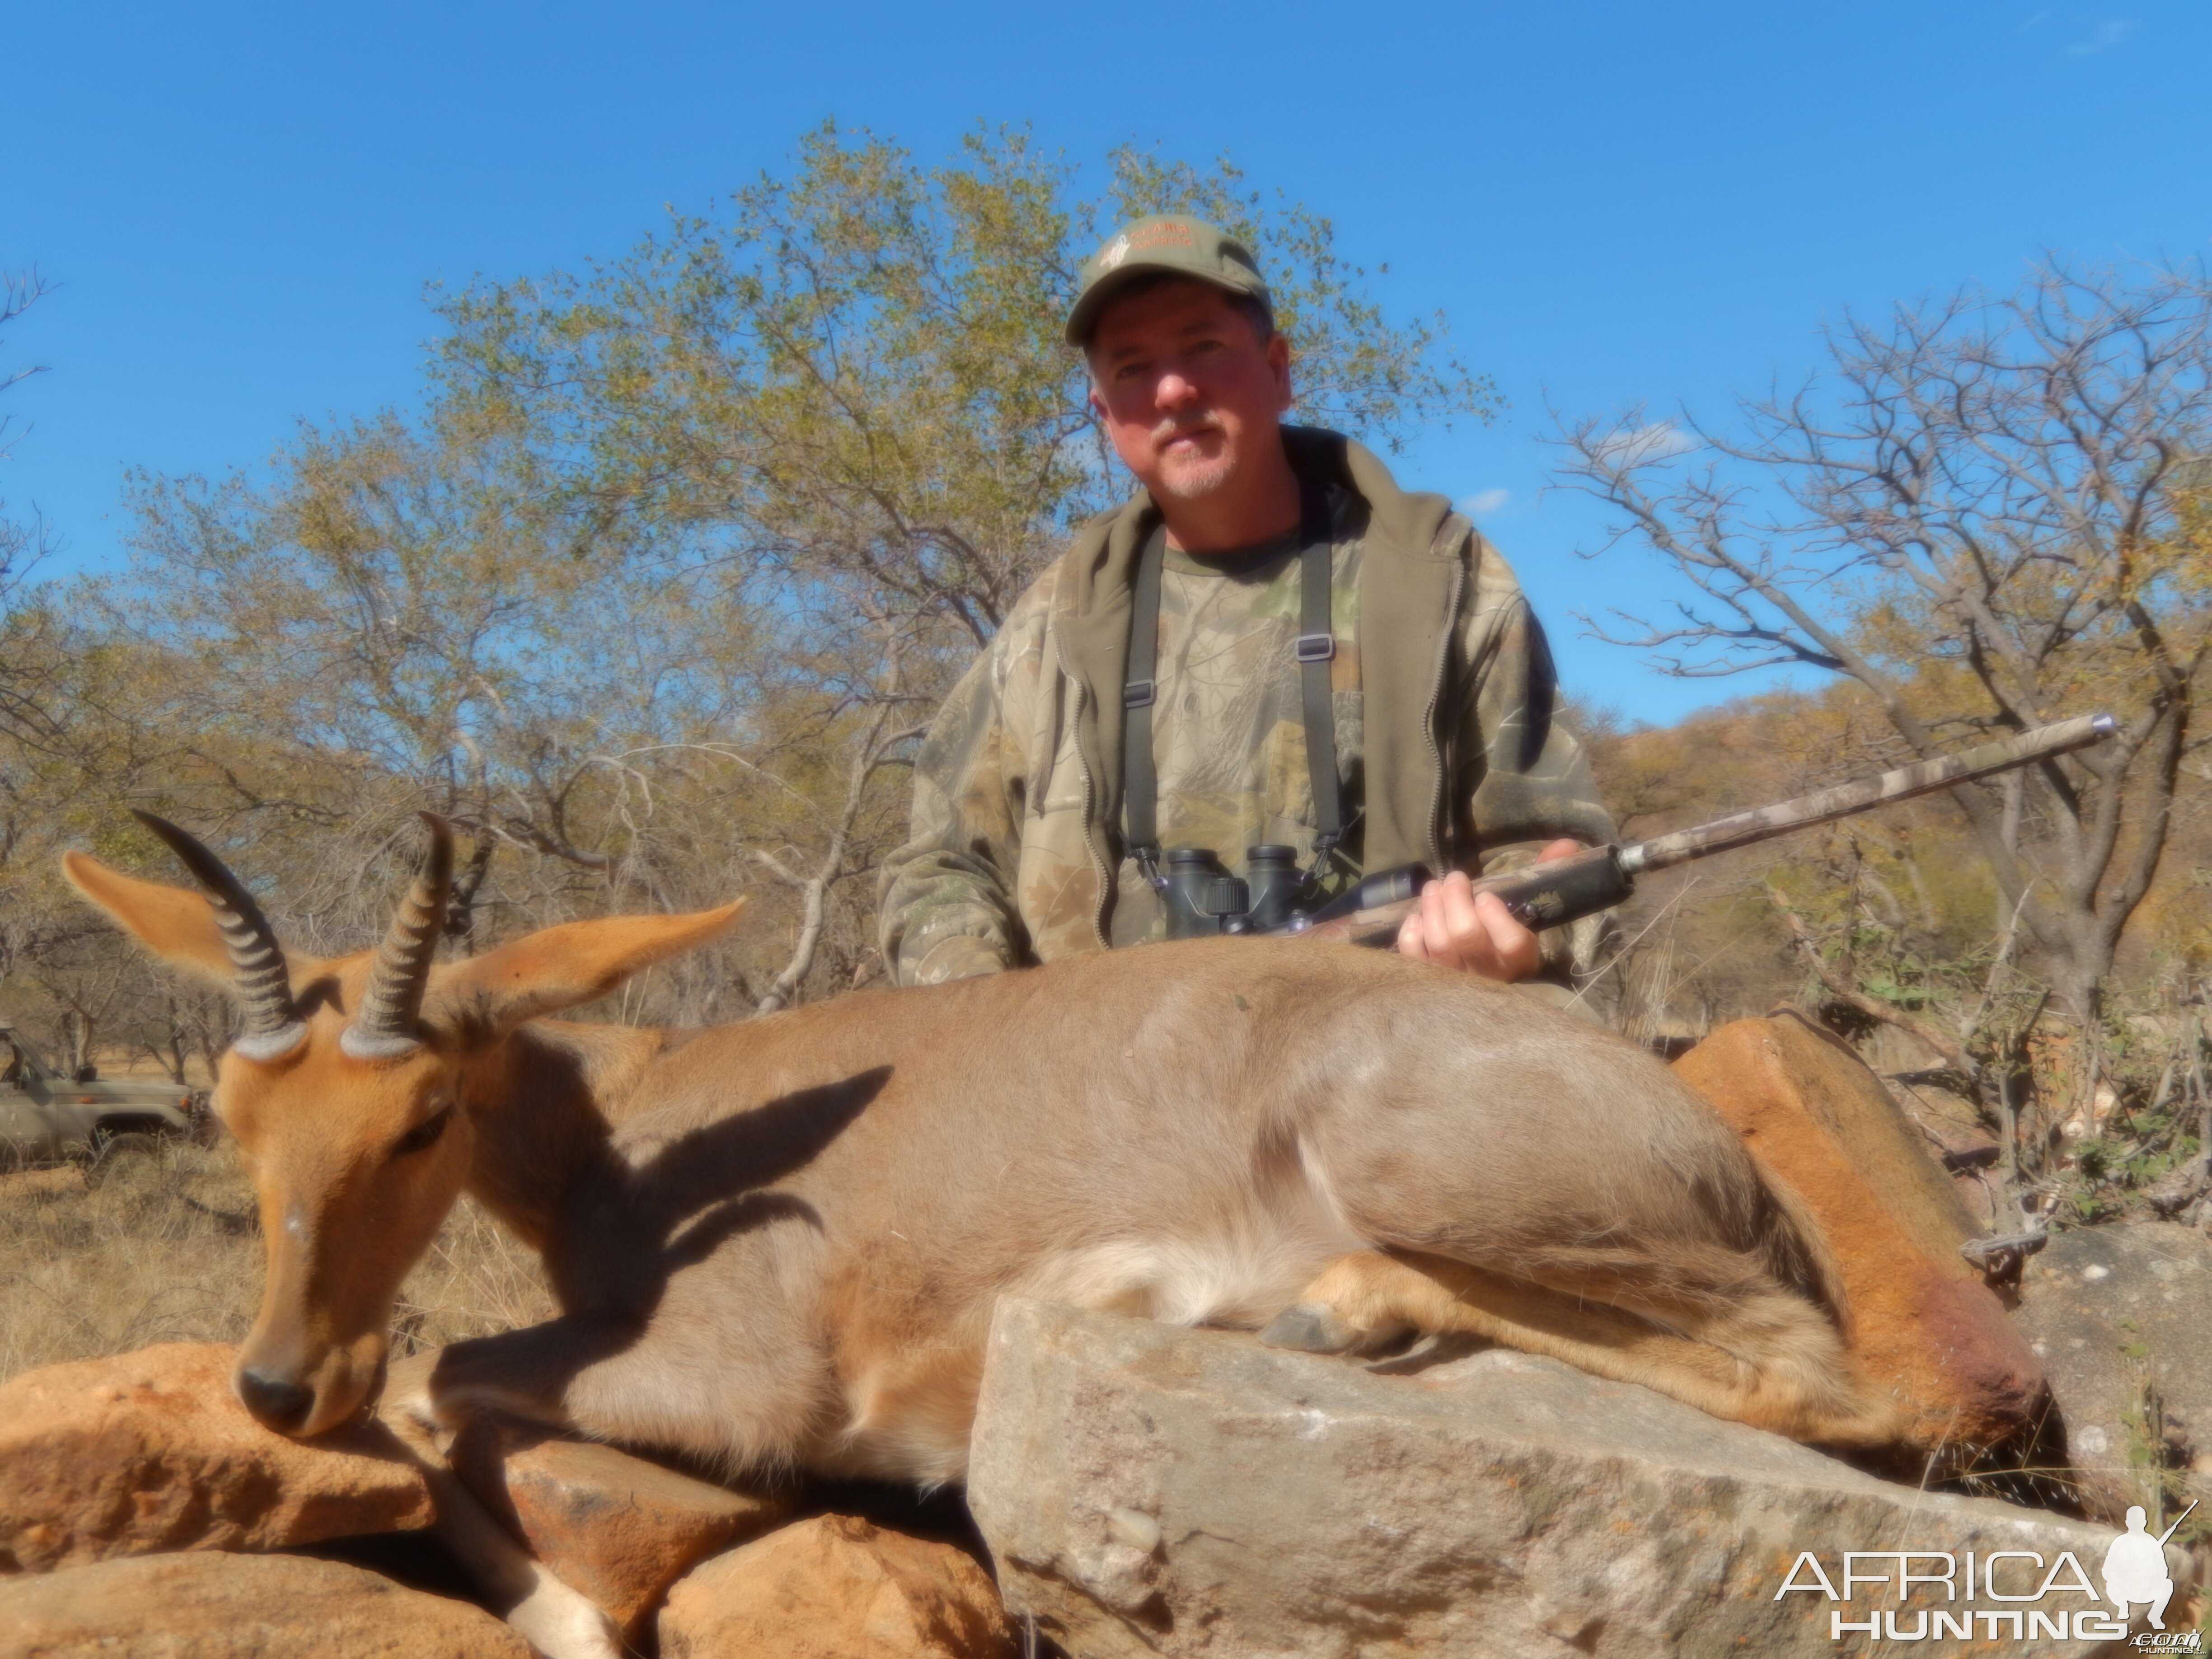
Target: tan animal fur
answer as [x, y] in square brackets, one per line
[778, 1243]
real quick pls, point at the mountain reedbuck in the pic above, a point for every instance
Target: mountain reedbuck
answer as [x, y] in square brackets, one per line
[777, 1243]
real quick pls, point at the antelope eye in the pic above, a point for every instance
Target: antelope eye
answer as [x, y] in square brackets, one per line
[424, 1133]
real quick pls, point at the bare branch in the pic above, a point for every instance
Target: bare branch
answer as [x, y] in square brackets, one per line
[1988, 481]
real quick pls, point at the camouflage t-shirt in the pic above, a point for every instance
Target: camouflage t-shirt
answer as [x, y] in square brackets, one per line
[1229, 738]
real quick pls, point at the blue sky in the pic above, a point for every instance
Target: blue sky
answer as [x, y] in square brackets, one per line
[241, 205]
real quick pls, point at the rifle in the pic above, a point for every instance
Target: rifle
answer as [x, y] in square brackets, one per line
[2178, 1520]
[1566, 889]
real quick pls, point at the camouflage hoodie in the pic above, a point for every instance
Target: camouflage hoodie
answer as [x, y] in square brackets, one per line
[1443, 681]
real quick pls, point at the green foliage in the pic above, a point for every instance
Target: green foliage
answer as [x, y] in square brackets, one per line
[2148, 1137]
[654, 599]
[2157, 1466]
[855, 373]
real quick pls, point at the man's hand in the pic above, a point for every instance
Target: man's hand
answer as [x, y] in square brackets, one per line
[1456, 927]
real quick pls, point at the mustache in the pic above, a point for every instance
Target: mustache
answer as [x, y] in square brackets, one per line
[1168, 431]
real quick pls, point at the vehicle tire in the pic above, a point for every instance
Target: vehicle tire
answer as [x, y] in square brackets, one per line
[110, 1151]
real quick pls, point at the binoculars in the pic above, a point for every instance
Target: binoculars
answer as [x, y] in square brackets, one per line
[1202, 898]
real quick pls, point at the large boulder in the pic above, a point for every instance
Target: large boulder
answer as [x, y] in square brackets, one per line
[205, 1606]
[614, 1527]
[2121, 1317]
[151, 1451]
[1926, 1326]
[837, 1587]
[1146, 1491]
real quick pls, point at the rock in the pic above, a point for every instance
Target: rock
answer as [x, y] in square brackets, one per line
[616, 1528]
[837, 1587]
[2119, 1315]
[151, 1451]
[1927, 1326]
[1151, 1490]
[206, 1606]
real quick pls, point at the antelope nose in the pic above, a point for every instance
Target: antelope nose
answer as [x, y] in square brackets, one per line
[273, 1402]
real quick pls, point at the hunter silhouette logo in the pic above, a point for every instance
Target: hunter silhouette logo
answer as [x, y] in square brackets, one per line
[2135, 1567]
[2028, 1594]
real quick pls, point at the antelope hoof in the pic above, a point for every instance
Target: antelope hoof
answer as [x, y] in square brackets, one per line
[561, 1623]
[1310, 1327]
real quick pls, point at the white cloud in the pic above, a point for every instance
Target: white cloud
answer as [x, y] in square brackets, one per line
[1485, 500]
[1632, 446]
[2102, 38]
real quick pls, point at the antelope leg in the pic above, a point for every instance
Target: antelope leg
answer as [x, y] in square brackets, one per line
[1762, 1355]
[560, 1622]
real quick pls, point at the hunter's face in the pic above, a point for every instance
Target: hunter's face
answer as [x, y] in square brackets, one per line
[1186, 387]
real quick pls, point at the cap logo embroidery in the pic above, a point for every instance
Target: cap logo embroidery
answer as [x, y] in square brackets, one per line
[1161, 232]
[1113, 254]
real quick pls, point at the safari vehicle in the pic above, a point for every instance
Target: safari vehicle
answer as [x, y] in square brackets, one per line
[44, 1117]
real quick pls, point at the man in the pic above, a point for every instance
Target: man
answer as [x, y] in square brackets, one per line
[1440, 743]
[2135, 1569]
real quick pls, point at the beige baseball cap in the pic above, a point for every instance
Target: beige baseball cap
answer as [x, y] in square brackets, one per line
[1162, 242]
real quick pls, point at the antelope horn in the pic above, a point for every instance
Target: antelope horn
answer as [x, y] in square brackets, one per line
[262, 983]
[386, 1025]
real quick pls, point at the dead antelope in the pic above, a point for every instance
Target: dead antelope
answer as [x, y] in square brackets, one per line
[778, 1243]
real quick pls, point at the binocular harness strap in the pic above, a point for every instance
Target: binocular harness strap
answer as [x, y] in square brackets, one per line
[1317, 649]
[1139, 784]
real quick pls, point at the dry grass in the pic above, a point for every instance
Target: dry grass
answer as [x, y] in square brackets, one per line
[475, 1279]
[166, 1248]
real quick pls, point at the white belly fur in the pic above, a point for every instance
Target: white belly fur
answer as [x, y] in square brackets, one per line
[909, 1420]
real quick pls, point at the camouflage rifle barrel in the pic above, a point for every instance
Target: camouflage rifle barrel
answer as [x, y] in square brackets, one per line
[1902, 784]
[1550, 895]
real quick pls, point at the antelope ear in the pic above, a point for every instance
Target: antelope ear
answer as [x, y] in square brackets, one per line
[175, 923]
[578, 962]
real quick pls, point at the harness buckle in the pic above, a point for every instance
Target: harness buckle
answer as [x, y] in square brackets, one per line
[1137, 693]
[1316, 647]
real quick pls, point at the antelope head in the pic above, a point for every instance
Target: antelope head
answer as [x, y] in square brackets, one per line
[348, 1089]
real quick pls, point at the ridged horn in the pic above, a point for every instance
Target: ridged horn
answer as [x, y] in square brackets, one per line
[389, 1008]
[260, 980]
